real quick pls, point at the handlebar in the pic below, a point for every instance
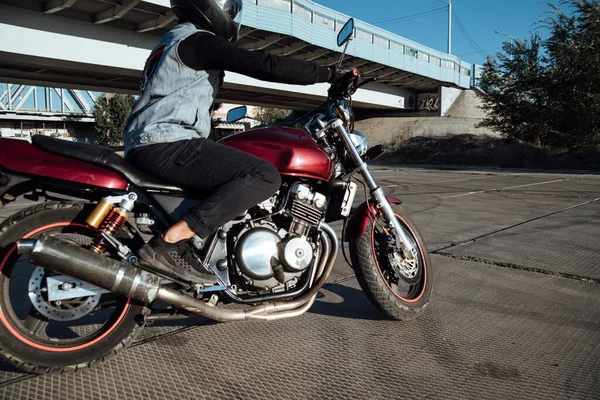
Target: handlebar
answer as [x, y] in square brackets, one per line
[363, 82]
[349, 85]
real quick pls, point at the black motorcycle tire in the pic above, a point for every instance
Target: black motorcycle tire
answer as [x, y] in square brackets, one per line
[371, 276]
[27, 354]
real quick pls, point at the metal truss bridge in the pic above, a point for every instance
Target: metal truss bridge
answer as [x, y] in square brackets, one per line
[31, 103]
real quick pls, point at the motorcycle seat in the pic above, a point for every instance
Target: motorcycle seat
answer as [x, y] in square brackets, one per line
[102, 156]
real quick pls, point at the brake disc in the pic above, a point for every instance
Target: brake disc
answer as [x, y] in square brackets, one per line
[406, 269]
[67, 308]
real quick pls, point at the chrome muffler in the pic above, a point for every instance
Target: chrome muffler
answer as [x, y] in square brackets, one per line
[143, 286]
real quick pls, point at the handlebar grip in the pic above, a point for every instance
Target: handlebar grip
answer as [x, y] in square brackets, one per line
[352, 75]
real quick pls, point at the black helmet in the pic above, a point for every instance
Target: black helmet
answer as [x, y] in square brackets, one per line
[222, 17]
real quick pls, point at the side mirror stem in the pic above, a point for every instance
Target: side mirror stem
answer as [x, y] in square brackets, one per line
[344, 52]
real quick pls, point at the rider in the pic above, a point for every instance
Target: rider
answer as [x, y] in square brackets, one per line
[166, 133]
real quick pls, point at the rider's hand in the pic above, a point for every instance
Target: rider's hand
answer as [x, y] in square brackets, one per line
[340, 75]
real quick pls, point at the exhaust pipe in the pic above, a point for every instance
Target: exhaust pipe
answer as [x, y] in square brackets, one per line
[118, 277]
[143, 286]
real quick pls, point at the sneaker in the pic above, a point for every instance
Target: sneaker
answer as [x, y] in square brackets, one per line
[176, 258]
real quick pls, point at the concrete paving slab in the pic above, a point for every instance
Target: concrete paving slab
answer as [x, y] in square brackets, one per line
[568, 242]
[448, 221]
[489, 332]
[488, 183]
[566, 188]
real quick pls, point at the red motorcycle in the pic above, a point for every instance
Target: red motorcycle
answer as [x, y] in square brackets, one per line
[74, 292]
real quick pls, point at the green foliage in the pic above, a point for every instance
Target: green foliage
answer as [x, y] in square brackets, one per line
[547, 92]
[271, 115]
[110, 114]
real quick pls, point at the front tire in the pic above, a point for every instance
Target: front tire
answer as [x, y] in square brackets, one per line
[401, 298]
[33, 337]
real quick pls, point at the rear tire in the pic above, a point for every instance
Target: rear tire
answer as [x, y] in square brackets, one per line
[378, 280]
[46, 353]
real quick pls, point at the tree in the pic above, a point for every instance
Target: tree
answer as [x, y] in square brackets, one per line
[270, 115]
[547, 92]
[574, 73]
[110, 114]
[513, 92]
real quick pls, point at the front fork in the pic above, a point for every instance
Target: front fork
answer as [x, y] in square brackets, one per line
[377, 195]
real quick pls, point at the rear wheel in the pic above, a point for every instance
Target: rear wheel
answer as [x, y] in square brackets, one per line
[41, 333]
[399, 287]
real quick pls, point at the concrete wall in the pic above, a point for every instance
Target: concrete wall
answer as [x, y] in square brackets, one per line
[462, 114]
[447, 98]
[391, 130]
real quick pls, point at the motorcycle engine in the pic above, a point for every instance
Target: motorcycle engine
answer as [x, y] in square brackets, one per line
[273, 256]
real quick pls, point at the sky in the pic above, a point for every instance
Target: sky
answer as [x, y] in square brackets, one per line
[480, 18]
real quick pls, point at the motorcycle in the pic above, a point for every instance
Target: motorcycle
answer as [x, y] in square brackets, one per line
[74, 290]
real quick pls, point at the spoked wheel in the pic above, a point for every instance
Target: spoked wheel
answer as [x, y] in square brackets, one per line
[51, 322]
[399, 286]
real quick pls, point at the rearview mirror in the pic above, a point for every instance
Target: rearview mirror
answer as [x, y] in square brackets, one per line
[235, 114]
[345, 33]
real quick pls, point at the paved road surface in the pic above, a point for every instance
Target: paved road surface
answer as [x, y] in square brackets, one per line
[515, 313]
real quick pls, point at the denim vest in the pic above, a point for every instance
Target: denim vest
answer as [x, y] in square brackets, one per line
[175, 100]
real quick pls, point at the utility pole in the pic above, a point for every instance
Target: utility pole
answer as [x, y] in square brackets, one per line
[449, 26]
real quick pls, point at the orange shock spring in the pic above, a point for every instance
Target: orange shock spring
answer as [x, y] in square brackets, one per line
[115, 220]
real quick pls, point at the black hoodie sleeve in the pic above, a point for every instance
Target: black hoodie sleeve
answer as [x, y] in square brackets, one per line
[204, 51]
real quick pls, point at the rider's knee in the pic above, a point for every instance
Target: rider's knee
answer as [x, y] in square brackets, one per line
[271, 176]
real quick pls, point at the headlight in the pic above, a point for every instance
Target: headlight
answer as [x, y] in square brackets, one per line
[360, 142]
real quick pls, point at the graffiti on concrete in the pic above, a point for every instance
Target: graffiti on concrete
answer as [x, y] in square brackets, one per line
[429, 102]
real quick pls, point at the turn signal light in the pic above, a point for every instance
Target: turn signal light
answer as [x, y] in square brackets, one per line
[374, 152]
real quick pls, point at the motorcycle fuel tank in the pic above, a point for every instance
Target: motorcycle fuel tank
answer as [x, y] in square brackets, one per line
[292, 151]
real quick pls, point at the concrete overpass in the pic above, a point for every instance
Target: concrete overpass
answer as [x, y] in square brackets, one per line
[101, 45]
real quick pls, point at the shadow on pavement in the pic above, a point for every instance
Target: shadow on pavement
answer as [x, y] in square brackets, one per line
[346, 302]
[6, 367]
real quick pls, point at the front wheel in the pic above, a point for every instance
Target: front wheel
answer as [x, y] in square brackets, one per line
[399, 287]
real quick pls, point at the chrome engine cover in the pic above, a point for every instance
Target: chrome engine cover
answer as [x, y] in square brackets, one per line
[257, 253]
[297, 254]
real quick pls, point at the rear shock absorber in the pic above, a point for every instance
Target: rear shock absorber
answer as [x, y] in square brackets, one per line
[108, 218]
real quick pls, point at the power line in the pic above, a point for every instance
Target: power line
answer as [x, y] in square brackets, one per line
[468, 36]
[413, 16]
[476, 52]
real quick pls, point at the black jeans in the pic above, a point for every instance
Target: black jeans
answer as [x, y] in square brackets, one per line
[236, 180]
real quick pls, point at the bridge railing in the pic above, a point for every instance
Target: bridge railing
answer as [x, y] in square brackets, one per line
[319, 25]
